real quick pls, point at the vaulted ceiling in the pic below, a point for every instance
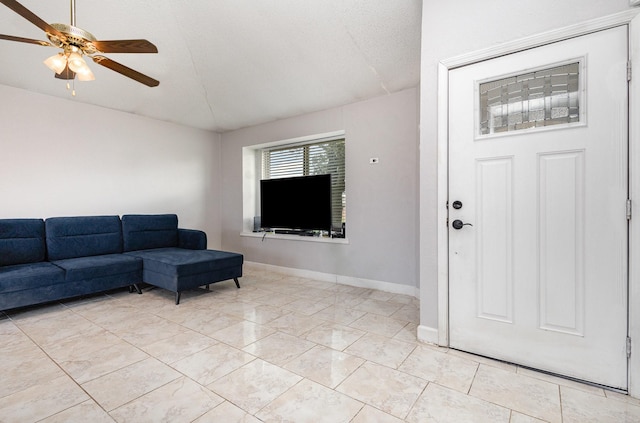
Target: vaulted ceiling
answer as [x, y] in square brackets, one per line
[227, 64]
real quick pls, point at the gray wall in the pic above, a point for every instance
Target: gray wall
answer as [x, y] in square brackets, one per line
[59, 157]
[452, 28]
[382, 199]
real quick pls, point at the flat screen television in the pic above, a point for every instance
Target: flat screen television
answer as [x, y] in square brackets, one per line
[298, 203]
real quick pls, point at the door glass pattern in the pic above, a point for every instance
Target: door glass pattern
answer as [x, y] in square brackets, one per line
[530, 100]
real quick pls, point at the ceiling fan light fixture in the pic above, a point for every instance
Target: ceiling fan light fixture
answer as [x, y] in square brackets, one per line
[76, 62]
[85, 74]
[56, 63]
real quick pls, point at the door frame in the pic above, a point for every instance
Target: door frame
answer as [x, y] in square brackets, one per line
[630, 18]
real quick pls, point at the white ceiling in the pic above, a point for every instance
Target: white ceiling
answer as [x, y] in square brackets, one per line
[227, 64]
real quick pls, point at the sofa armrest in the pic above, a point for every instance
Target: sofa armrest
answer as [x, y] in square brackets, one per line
[192, 239]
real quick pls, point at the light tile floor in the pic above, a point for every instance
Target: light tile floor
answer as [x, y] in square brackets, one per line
[281, 348]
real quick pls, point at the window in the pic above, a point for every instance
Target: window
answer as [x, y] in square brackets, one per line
[312, 158]
[531, 100]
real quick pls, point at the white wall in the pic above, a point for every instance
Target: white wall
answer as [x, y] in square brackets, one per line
[382, 200]
[452, 28]
[62, 158]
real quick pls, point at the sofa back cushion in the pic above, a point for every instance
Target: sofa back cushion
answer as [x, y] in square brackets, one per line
[147, 231]
[83, 236]
[21, 241]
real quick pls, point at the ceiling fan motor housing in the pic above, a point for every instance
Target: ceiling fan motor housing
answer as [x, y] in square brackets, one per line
[77, 37]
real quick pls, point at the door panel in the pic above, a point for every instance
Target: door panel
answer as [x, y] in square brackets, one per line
[540, 278]
[561, 248]
[494, 228]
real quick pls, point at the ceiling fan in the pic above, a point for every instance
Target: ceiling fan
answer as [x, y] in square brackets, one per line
[75, 43]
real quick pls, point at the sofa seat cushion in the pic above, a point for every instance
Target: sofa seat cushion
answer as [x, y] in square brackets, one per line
[83, 268]
[177, 262]
[27, 276]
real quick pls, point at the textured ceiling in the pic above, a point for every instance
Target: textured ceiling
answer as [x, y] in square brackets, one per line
[227, 64]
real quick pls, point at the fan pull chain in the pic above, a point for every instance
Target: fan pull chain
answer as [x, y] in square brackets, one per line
[72, 87]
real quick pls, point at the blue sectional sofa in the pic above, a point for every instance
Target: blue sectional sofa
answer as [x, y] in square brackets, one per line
[64, 257]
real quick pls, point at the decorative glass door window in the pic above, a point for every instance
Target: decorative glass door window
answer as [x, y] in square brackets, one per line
[536, 99]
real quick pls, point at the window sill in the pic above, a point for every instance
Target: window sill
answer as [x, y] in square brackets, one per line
[271, 235]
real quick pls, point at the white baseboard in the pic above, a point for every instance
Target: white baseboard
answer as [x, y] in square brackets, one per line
[394, 288]
[289, 271]
[428, 334]
[379, 285]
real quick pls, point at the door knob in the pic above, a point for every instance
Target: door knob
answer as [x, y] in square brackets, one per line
[458, 224]
[457, 204]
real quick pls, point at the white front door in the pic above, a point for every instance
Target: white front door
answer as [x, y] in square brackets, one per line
[538, 168]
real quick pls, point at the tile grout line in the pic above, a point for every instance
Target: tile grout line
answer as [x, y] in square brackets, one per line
[417, 398]
[560, 403]
[473, 379]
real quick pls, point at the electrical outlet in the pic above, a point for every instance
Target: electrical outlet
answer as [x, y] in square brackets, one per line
[374, 160]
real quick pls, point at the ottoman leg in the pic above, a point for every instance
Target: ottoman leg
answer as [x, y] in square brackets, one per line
[177, 298]
[207, 287]
[237, 283]
[138, 290]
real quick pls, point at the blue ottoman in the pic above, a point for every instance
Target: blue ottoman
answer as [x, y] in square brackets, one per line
[175, 259]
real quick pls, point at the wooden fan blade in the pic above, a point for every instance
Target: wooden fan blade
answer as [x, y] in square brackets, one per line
[128, 72]
[25, 40]
[125, 46]
[66, 74]
[31, 17]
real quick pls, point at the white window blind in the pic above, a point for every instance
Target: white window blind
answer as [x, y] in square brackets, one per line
[315, 158]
